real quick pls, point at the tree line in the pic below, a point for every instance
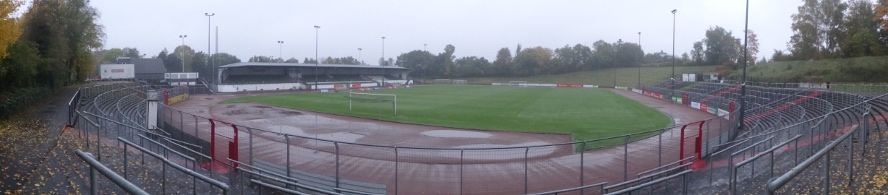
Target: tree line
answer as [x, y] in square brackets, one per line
[718, 47]
[524, 62]
[49, 45]
[824, 29]
[44, 49]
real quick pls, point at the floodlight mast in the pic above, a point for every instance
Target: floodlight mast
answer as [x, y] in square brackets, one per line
[672, 77]
[183, 51]
[280, 49]
[317, 61]
[209, 19]
[742, 115]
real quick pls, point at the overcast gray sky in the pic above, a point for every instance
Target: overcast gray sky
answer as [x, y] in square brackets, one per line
[474, 27]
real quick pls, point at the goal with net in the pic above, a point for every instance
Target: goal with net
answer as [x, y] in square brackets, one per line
[442, 81]
[355, 97]
[459, 82]
[518, 83]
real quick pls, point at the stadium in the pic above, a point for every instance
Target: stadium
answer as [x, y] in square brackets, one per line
[371, 130]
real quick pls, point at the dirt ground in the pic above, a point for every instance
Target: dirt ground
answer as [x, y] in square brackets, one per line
[435, 171]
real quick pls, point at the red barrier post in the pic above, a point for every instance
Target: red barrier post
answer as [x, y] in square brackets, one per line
[698, 148]
[684, 98]
[166, 97]
[731, 106]
[681, 145]
[212, 141]
[232, 147]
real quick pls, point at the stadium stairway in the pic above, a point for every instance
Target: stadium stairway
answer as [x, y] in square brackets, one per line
[117, 106]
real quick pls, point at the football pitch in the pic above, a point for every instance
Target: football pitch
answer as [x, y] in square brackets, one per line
[582, 112]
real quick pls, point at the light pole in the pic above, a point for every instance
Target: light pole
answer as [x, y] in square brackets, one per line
[745, 61]
[182, 54]
[317, 62]
[672, 91]
[280, 49]
[359, 56]
[209, 19]
[383, 52]
[642, 59]
[424, 47]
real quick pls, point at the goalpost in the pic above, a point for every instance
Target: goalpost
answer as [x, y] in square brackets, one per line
[459, 82]
[373, 98]
[518, 83]
[442, 81]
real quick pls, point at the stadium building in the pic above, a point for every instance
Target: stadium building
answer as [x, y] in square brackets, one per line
[150, 70]
[264, 76]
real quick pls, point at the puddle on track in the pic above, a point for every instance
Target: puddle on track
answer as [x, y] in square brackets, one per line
[456, 134]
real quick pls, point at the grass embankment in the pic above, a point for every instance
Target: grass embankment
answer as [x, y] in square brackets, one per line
[862, 69]
[624, 76]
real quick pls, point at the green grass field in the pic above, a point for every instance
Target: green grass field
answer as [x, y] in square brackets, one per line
[584, 113]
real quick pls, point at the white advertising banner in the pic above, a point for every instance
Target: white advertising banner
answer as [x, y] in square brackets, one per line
[724, 114]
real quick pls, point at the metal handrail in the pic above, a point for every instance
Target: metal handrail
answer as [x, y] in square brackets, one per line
[775, 147]
[142, 129]
[574, 189]
[735, 153]
[186, 157]
[166, 161]
[341, 190]
[177, 143]
[627, 182]
[779, 182]
[111, 175]
[688, 159]
[308, 187]
[633, 188]
[72, 107]
[288, 191]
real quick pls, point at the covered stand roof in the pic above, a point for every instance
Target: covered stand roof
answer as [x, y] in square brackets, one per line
[301, 65]
[148, 66]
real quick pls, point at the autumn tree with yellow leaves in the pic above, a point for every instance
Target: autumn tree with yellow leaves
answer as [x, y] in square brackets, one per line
[9, 26]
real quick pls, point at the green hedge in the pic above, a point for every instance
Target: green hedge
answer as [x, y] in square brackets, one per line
[14, 101]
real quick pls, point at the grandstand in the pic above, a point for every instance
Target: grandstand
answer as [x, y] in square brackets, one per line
[794, 140]
[261, 76]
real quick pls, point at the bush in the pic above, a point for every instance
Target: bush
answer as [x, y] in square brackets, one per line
[14, 101]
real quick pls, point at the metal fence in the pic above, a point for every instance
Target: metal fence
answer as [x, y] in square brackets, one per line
[96, 166]
[162, 163]
[332, 164]
[323, 162]
[753, 157]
